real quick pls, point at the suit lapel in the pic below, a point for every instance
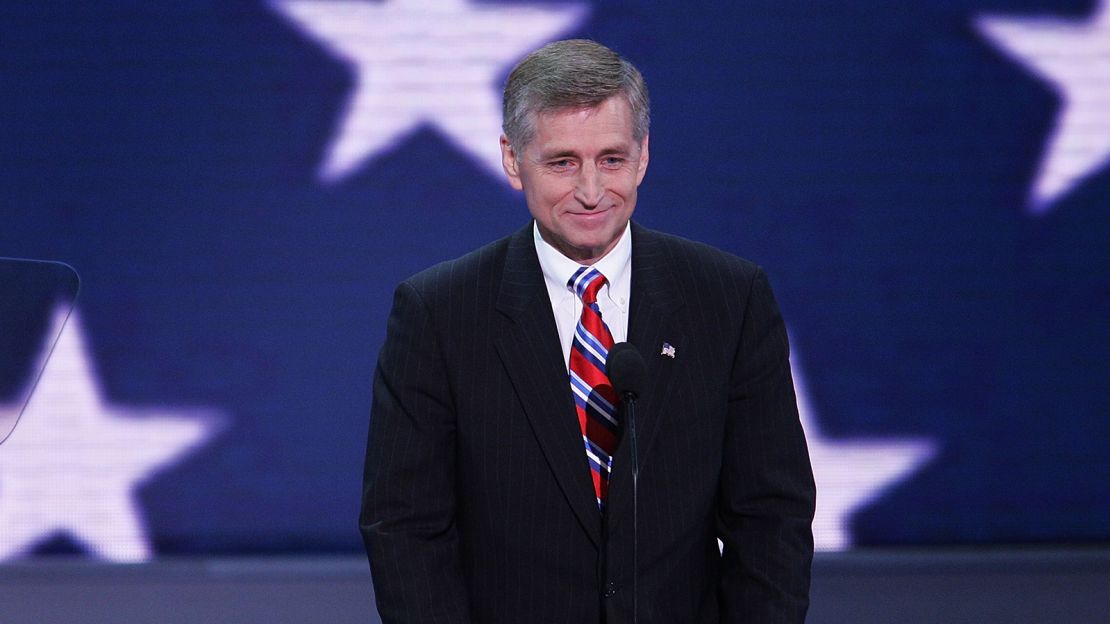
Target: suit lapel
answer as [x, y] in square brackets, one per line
[655, 297]
[528, 345]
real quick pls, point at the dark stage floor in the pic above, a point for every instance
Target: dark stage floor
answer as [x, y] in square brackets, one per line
[860, 587]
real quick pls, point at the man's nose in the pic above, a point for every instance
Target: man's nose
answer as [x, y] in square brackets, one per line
[589, 189]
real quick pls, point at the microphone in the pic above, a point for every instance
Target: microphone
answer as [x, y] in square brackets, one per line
[627, 372]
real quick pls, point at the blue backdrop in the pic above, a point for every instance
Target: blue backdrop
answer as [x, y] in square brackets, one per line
[241, 185]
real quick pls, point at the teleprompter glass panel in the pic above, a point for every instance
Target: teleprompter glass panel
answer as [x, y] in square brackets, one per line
[36, 298]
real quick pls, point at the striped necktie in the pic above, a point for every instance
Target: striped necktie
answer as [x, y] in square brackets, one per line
[594, 397]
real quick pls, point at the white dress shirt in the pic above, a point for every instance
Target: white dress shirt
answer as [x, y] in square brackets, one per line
[612, 299]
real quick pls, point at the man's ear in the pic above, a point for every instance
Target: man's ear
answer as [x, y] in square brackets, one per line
[510, 163]
[643, 161]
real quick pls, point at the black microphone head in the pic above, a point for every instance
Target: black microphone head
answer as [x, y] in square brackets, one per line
[626, 370]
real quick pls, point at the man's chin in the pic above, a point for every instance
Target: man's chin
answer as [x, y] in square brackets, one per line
[593, 249]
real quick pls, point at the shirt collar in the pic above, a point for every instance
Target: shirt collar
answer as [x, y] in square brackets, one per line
[558, 269]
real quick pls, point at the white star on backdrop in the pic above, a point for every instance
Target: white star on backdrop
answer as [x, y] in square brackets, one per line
[1073, 57]
[419, 62]
[74, 463]
[851, 474]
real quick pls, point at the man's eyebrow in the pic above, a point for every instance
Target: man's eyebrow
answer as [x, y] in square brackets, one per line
[617, 149]
[558, 153]
[569, 153]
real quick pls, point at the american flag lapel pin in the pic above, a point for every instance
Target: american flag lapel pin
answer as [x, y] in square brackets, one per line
[668, 350]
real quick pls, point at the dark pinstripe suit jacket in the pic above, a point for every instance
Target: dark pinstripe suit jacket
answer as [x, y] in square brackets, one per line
[478, 506]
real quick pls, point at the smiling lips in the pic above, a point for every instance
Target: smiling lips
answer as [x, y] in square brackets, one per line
[590, 213]
[589, 221]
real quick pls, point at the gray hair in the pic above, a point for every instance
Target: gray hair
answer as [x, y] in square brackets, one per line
[571, 74]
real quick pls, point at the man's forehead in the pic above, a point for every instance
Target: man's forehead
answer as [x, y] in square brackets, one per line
[617, 104]
[606, 126]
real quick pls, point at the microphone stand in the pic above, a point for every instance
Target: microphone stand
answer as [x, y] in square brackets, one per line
[626, 368]
[630, 414]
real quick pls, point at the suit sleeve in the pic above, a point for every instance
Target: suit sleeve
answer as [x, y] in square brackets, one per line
[767, 494]
[408, 503]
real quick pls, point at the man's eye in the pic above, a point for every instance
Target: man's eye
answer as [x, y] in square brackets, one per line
[564, 163]
[613, 162]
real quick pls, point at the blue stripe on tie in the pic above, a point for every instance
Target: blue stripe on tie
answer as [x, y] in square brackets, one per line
[586, 390]
[602, 418]
[593, 402]
[606, 419]
[595, 451]
[595, 356]
[591, 359]
[591, 344]
[581, 389]
[599, 464]
[582, 278]
[575, 280]
[593, 407]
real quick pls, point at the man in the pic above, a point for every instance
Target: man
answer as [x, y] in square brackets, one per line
[498, 487]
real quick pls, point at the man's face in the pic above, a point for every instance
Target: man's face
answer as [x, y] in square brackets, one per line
[579, 175]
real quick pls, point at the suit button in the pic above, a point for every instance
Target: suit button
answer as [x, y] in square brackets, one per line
[610, 589]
